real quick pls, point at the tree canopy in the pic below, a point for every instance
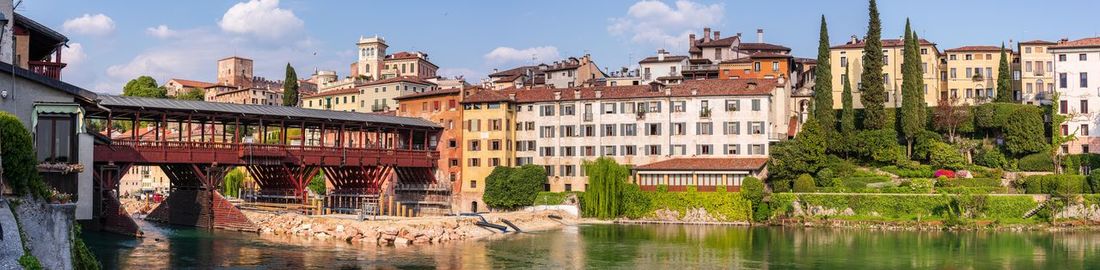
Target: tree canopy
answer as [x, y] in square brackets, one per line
[912, 115]
[872, 86]
[290, 87]
[511, 188]
[606, 181]
[1004, 78]
[823, 83]
[144, 86]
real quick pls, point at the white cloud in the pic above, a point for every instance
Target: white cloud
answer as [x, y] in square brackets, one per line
[161, 31]
[73, 54]
[502, 55]
[658, 24]
[261, 18]
[94, 25]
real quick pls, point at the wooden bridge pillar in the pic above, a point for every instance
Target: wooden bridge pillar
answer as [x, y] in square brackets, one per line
[194, 199]
[109, 214]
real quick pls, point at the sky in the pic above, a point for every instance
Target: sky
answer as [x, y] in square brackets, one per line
[112, 42]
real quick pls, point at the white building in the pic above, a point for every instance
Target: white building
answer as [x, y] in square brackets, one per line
[559, 129]
[1074, 62]
[664, 68]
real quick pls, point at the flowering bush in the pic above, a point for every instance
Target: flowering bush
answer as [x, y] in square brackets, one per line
[944, 173]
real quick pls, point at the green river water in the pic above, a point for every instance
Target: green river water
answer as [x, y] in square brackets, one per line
[614, 247]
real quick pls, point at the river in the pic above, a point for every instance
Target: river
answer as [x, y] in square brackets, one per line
[614, 246]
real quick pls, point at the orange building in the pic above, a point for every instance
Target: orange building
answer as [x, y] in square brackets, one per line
[440, 106]
[761, 65]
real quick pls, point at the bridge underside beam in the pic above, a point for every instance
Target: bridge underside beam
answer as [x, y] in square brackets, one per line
[194, 199]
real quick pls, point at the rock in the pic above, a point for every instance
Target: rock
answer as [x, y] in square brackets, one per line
[339, 228]
[401, 241]
[422, 239]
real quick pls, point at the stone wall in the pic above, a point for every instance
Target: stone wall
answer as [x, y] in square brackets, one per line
[48, 229]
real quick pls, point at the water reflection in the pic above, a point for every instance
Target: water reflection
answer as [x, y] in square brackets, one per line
[615, 246]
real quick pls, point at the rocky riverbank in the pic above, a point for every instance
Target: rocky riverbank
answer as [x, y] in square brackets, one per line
[400, 231]
[139, 207]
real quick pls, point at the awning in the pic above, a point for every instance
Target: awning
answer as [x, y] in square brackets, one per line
[59, 108]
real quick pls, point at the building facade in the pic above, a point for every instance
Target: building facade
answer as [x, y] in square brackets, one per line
[175, 87]
[848, 58]
[664, 68]
[254, 96]
[972, 73]
[1074, 61]
[1037, 71]
[488, 137]
[444, 108]
[235, 71]
[375, 64]
[573, 72]
[334, 100]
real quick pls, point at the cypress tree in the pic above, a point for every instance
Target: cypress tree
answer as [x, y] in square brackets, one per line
[823, 83]
[290, 87]
[912, 120]
[871, 82]
[847, 113]
[1004, 81]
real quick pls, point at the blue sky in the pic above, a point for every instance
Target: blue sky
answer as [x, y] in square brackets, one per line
[115, 41]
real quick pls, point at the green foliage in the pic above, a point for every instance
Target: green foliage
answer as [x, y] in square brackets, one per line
[871, 84]
[606, 180]
[753, 189]
[920, 171]
[1075, 164]
[1004, 79]
[29, 262]
[847, 111]
[231, 185]
[1092, 183]
[780, 203]
[635, 202]
[969, 182]
[724, 206]
[317, 184]
[191, 94]
[1038, 162]
[805, 183]
[1008, 207]
[991, 157]
[1024, 134]
[551, 198]
[912, 114]
[83, 259]
[804, 154]
[994, 116]
[880, 146]
[920, 185]
[514, 187]
[144, 86]
[823, 83]
[19, 162]
[890, 206]
[290, 87]
[944, 155]
[1058, 184]
[826, 178]
[924, 142]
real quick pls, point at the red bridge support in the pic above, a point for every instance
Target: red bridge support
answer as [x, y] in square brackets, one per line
[194, 200]
[112, 216]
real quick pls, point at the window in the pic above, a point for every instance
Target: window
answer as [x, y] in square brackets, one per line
[493, 162]
[756, 149]
[953, 75]
[756, 66]
[495, 125]
[546, 132]
[608, 150]
[1084, 130]
[630, 129]
[678, 149]
[628, 107]
[475, 145]
[589, 130]
[608, 130]
[1065, 130]
[549, 169]
[678, 106]
[756, 127]
[775, 65]
[608, 108]
[885, 59]
[704, 149]
[474, 162]
[1083, 57]
[629, 150]
[452, 143]
[568, 109]
[733, 149]
[1062, 107]
[473, 184]
[677, 129]
[55, 138]
[653, 150]
[588, 151]
[704, 128]
[1061, 58]
[732, 128]
[653, 129]
[756, 105]
[494, 145]
[546, 110]
[1062, 80]
[1084, 106]
[1084, 79]
[923, 51]
[568, 151]
[843, 61]
[733, 105]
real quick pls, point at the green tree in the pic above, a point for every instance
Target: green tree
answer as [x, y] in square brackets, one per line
[19, 169]
[192, 94]
[317, 184]
[290, 87]
[144, 86]
[847, 111]
[804, 183]
[1004, 78]
[804, 154]
[1056, 137]
[872, 85]
[1024, 133]
[511, 188]
[823, 83]
[912, 91]
[232, 182]
[606, 181]
[943, 155]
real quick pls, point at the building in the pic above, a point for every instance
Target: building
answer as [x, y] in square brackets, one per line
[559, 129]
[375, 64]
[848, 57]
[175, 86]
[705, 174]
[334, 100]
[1037, 71]
[664, 68]
[373, 96]
[972, 73]
[706, 53]
[1074, 61]
[235, 71]
[143, 180]
[37, 47]
[573, 72]
[519, 77]
[441, 106]
[255, 96]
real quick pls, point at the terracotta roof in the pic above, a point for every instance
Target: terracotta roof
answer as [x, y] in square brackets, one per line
[333, 93]
[885, 43]
[672, 58]
[811, 61]
[508, 78]
[770, 55]
[1080, 43]
[975, 49]
[564, 67]
[739, 87]
[741, 60]
[517, 71]
[408, 79]
[402, 55]
[724, 42]
[705, 164]
[762, 47]
[1039, 42]
[192, 84]
[439, 92]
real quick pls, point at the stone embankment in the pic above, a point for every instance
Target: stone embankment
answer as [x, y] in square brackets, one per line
[138, 207]
[400, 231]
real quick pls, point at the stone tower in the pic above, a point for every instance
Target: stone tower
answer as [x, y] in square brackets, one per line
[235, 71]
[372, 51]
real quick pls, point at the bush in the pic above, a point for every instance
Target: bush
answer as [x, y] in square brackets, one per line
[1024, 132]
[635, 202]
[880, 146]
[804, 183]
[1092, 183]
[825, 178]
[944, 155]
[1074, 164]
[552, 198]
[510, 188]
[20, 164]
[923, 146]
[1058, 184]
[606, 180]
[781, 203]
[970, 182]
[891, 206]
[991, 157]
[1009, 207]
[724, 206]
[753, 189]
[782, 185]
[1038, 162]
[921, 185]
[921, 171]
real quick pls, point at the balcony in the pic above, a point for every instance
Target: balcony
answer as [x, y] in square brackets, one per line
[704, 113]
[379, 108]
[640, 115]
[978, 78]
[48, 69]
[707, 67]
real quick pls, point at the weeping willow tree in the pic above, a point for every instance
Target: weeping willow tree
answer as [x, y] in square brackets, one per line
[233, 180]
[606, 180]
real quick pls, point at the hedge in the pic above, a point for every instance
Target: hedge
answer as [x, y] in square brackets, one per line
[723, 206]
[1037, 162]
[893, 206]
[1072, 164]
[1009, 207]
[923, 171]
[969, 182]
[1054, 183]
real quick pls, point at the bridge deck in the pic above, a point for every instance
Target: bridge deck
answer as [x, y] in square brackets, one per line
[170, 152]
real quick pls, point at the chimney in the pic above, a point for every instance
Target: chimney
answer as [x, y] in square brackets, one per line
[738, 35]
[853, 40]
[751, 86]
[1063, 40]
[706, 34]
[760, 35]
[577, 93]
[661, 55]
[512, 96]
[599, 93]
[557, 95]
[717, 35]
[695, 91]
[691, 40]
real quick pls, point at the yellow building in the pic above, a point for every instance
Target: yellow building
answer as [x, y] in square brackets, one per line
[972, 73]
[336, 100]
[487, 131]
[1037, 71]
[849, 56]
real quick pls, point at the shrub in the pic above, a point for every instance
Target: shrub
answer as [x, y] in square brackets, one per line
[20, 164]
[1024, 132]
[825, 178]
[1009, 207]
[880, 146]
[941, 173]
[753, 189]
[991, 157]
[606, 180]
[724, 206]
[1059, 184]
[841, 168]
[781, 203]
[920, 185]
[892, 206]
[970, 182]
[1093, 181]
[781, 185]
[551, 198]
[510, 188]
[635, 202]
[923, 146]
[1038, 162]
[920, 171]
[804, 183]
[1074, 164]
[944, 155]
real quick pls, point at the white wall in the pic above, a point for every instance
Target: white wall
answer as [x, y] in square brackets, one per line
[1074, 92]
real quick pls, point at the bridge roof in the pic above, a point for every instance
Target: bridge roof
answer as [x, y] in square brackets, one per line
[113, 101]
